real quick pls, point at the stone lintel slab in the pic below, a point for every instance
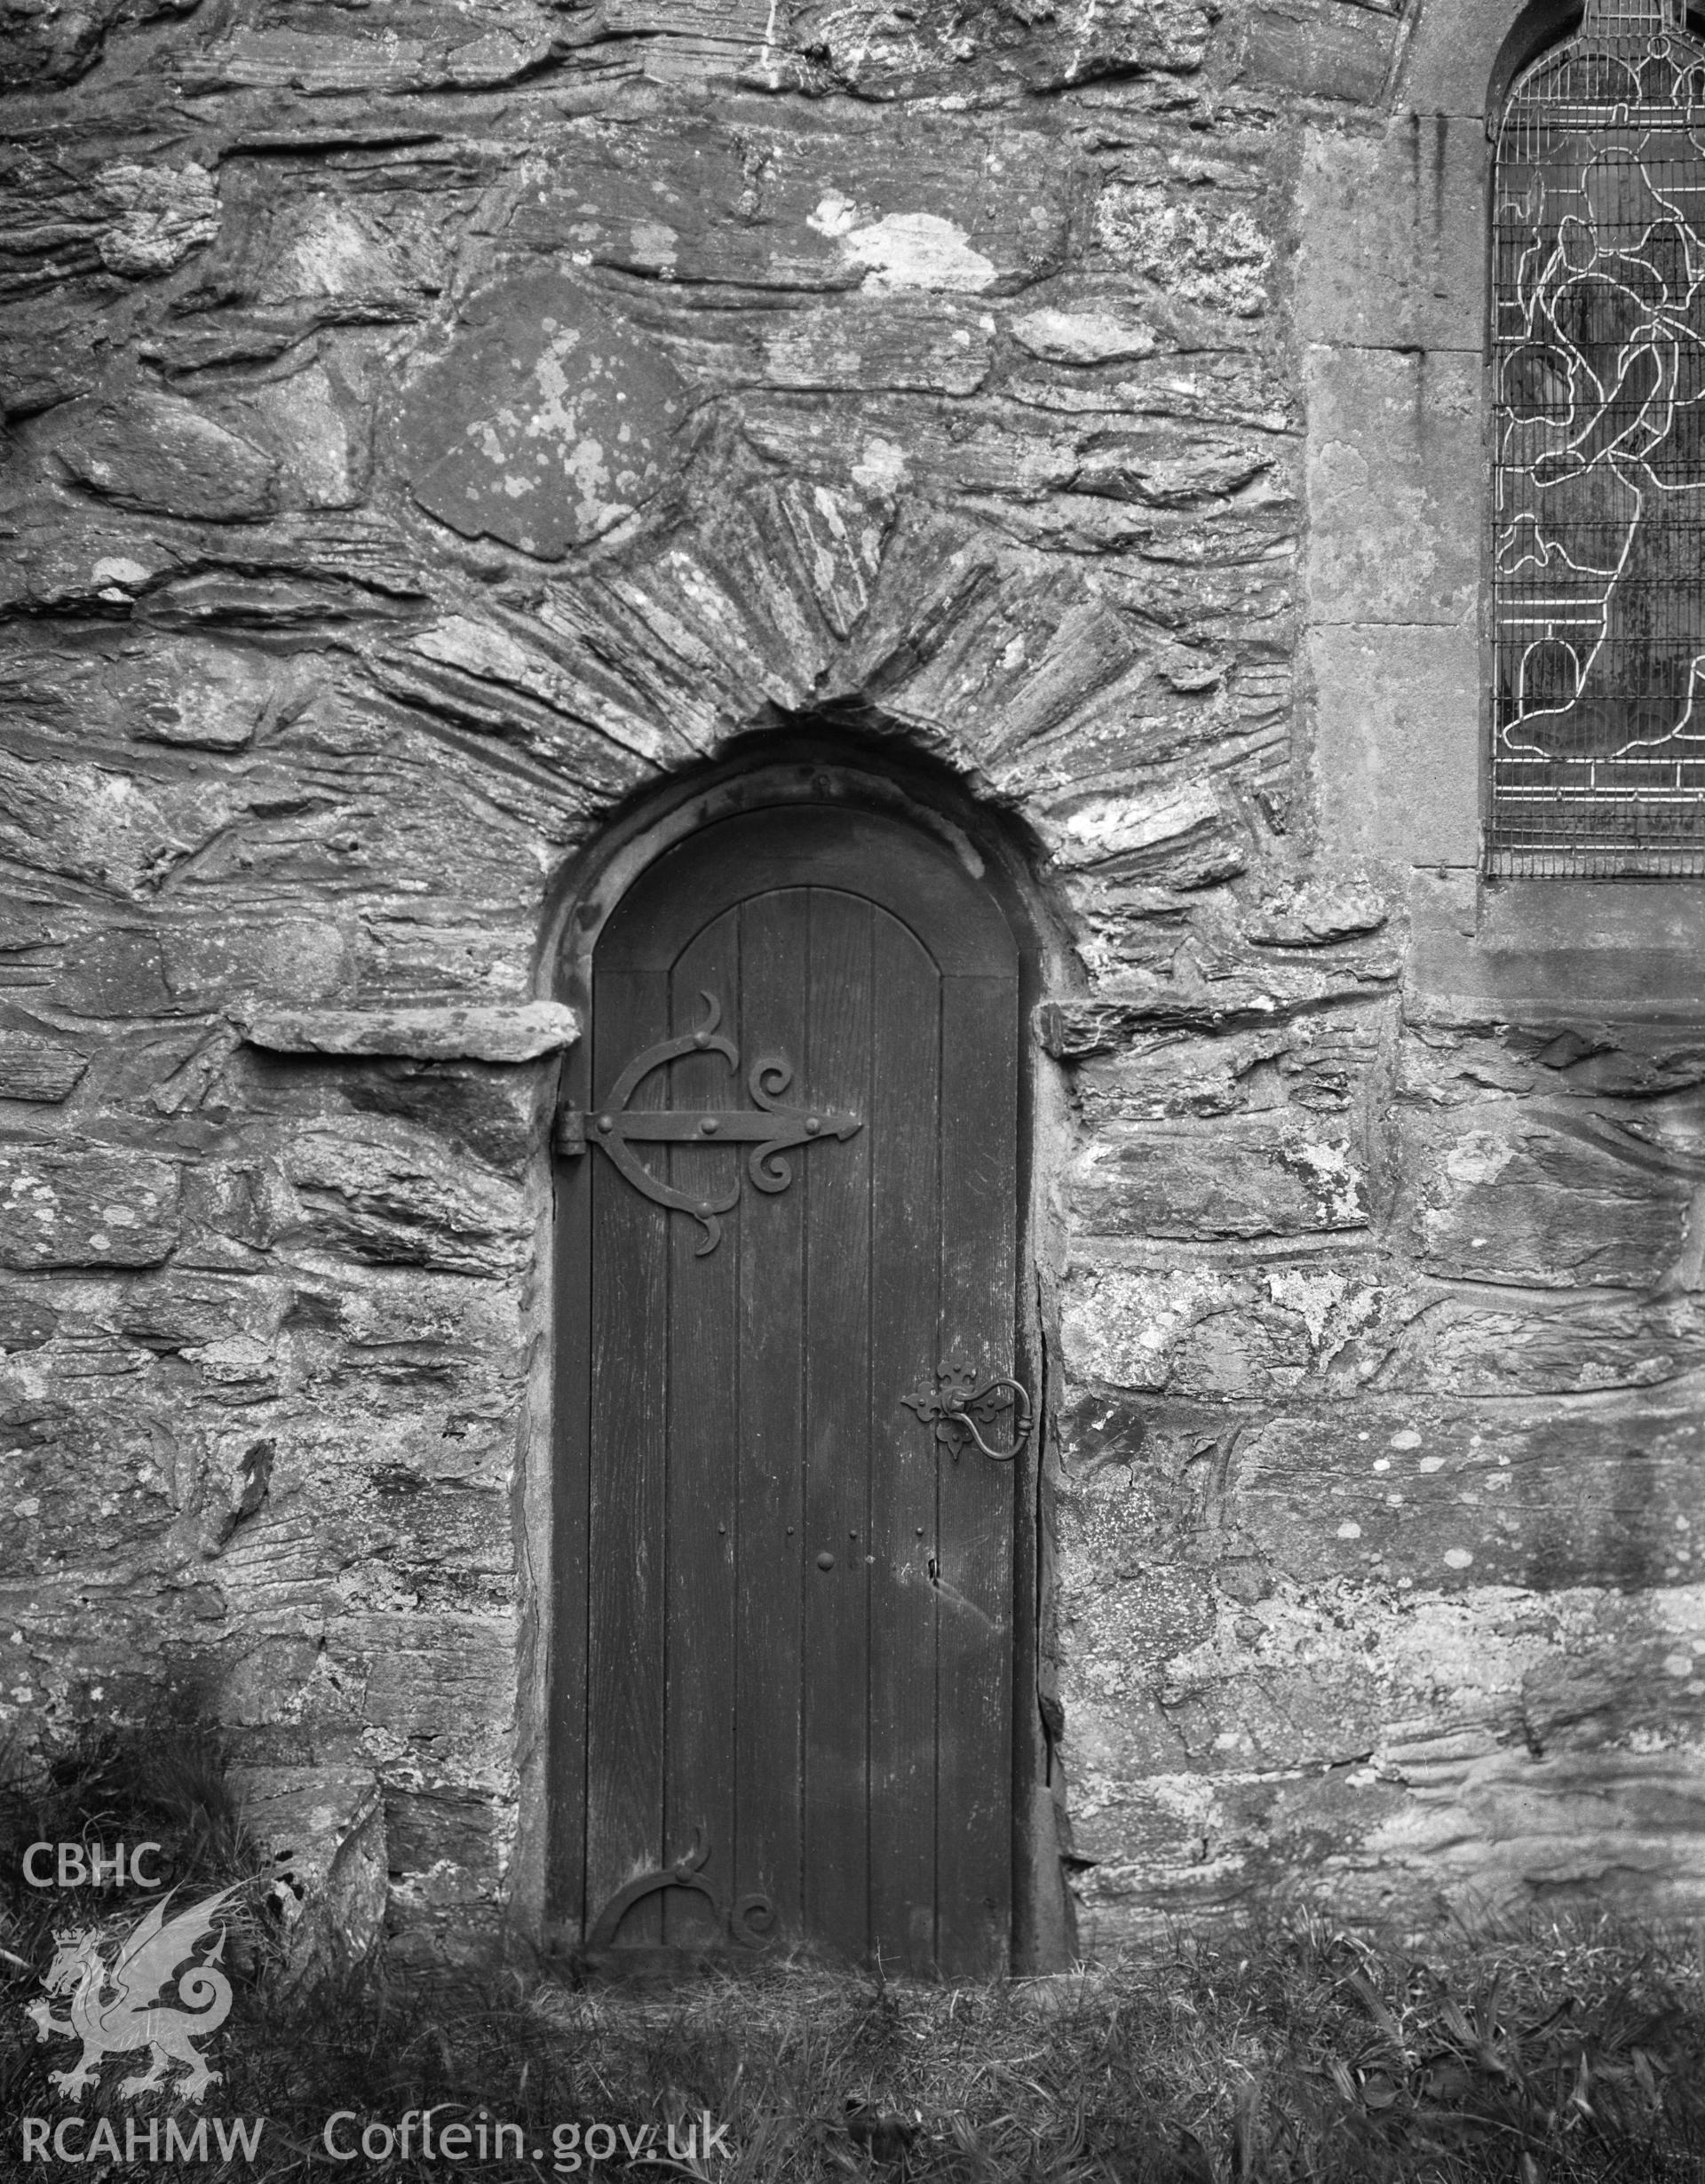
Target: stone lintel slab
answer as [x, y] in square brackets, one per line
[483, 1031]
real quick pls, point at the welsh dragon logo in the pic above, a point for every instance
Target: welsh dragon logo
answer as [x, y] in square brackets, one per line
[115, 1983]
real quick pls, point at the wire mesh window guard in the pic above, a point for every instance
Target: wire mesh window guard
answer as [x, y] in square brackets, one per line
[1598, 447]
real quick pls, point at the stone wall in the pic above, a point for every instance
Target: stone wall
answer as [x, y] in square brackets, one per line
[429, 427]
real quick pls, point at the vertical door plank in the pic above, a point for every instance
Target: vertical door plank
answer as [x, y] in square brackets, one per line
[626, 1547]
[703, 1397]
[836, 1182]
[978, 1195]
[773, 1564]
[905, 1234]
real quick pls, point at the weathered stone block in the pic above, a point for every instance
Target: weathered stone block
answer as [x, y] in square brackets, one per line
[875, 54]
[1215, 250]
[1599, 1829]
[444, 1832]
[545, 421]
[437, 56]
[1088, 337]
[1397, 717]
[165, 212]
[86, 1209]
[85, 824]
[446, 1678]
[1394, 486]
[233, 1210]
[1392, 236]
[1540, 1497]
[886, 342]
[455, 1544]
[118, 973]
[1558, 1342]
[1326, 1064]
[159, 453]
[1502, 1193]
[837, 212]
[324, 1828]
[1449, 67]
[173, 1311]
[44, 45]
[93, 1476]
[1117, 1745]
[379, 1191]
[1311, 1713]
[1317, 912]
[207, 697]
[36, 1068]
[1266, 1176]
[26, 1322]
[216, 961]
[497, 1117]
[1145, 1007]
[1328, 53]
[319, 427]
[1207, 1331]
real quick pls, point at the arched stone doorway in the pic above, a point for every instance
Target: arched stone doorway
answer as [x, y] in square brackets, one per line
[795, 1599]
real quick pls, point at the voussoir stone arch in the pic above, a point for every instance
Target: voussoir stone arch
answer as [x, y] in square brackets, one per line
[777, 600]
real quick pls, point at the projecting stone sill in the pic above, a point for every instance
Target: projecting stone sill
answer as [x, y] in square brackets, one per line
[486, 1031]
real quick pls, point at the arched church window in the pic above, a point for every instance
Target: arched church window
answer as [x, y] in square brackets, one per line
[1598, 454]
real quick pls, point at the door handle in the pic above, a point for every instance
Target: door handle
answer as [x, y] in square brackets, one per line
[958, 1403]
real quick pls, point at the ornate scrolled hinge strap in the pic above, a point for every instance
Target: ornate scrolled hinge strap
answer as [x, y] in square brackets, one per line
[770, 1129]
[957, 1407]
[747, 1923]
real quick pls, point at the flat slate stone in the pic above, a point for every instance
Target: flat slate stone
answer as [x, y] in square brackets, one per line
[545, 424]
[516, 1031]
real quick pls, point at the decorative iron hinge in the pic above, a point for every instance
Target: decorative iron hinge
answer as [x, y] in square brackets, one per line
[958, 1406]
[770, 1129]
[747, 1923]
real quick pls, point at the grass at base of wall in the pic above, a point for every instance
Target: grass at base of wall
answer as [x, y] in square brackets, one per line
[1271, 2054]
[1299, 2052]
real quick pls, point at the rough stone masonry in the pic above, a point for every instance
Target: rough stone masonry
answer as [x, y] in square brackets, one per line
[428, 425]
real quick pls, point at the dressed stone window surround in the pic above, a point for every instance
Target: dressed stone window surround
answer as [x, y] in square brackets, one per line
[1392, 319]
[1597, 456]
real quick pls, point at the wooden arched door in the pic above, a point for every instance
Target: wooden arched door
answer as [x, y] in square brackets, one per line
[783, 1699]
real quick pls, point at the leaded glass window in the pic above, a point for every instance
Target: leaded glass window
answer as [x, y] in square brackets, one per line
[1598, 451]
